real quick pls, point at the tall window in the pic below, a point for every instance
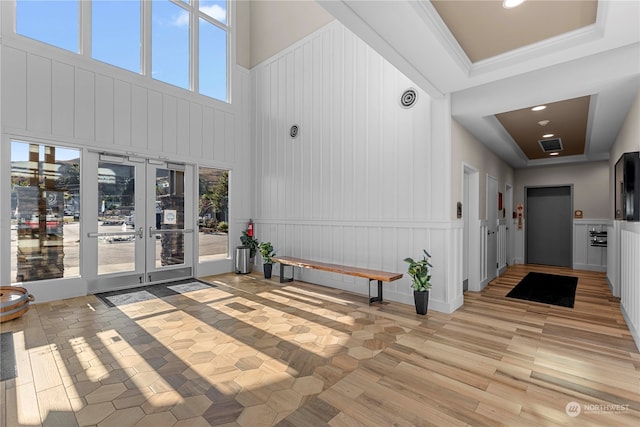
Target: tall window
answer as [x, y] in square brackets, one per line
[188, 39]
[170, 43]
[45, 212]
[115, 33]
[49, 21]
[213, 214]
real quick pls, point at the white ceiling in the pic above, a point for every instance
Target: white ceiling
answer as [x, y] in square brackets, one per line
[602, 60]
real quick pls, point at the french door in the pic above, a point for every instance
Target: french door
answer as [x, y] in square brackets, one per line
[143, 227]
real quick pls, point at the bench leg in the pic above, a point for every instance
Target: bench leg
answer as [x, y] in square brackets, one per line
[377, 298]
[286, 279]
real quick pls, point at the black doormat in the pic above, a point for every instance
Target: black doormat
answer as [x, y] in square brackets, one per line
[546, 288]
[7, 357]
[148, 292]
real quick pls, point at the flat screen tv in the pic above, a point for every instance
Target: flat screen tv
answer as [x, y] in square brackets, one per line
[627, 187]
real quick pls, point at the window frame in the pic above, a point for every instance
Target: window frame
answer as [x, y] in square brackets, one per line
[9, 24]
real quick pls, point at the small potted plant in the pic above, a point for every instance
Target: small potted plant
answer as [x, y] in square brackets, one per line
[250, 242]
[421, 281]
[266, 250]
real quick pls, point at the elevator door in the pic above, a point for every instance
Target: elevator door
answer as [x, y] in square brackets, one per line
[549, 226]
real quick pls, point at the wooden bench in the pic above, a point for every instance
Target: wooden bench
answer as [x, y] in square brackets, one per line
[380, 276]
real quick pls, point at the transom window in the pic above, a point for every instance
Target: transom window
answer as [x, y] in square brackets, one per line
[187, 40]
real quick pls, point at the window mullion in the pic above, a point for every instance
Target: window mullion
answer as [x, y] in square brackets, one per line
[84, 28]
[194, 60]
[145, 37]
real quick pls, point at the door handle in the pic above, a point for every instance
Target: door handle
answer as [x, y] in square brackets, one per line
[140, 232]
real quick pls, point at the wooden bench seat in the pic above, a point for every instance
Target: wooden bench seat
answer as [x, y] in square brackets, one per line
[379, 276]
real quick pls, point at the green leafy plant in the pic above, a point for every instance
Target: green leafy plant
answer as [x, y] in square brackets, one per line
[251, 242]
[419, 272]
[266, 250]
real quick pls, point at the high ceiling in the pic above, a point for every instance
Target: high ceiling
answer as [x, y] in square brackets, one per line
[579, 58]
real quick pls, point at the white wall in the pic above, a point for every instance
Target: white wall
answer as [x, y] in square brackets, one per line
[623, 268]
[53, 96]
[469, 151]
[277, 24]
[362, 184]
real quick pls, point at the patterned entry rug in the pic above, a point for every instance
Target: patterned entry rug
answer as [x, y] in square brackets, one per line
[546, 288]
[145, 293]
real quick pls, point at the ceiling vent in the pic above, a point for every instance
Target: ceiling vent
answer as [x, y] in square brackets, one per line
[551, 145]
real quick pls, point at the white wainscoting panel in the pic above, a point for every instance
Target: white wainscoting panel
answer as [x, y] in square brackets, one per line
[357, 185]
[502, 245]
[630, 277]
[613, 257]
[484, 230]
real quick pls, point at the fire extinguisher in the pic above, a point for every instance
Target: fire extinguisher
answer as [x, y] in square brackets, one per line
[250, 228]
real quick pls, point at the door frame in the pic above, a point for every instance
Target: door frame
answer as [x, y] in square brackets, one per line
[142, 275]
[526, 222]
[472, 226]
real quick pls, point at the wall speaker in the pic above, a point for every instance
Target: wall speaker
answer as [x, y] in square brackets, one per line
[293, 132]
[408, 98]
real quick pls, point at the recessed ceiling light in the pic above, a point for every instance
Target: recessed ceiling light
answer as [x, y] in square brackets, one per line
[539, 108]
[544, 122]
[547, 135]
[510, 4]
[554, 153]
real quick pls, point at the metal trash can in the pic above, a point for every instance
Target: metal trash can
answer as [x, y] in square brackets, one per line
[242, 264]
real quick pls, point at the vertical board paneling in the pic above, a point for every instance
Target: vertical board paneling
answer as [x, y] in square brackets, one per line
[288, 157]
[195, 135]
[38, 94]
[361, 102]
[357, 182]
[139, 112]
[62, 96]
[122, 113]
[208, 134]
[372, 140]
[14, 88]
[388, 143]
[45, 95]
[630, 277]
[219, 151]
[229, 140]
[154, 119]
[169, 124]
[297, 144]
[183, 126]
[104, 109]
[84, 95]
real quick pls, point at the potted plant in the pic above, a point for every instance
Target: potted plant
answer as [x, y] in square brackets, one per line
[250, 242]
[266, 250]
[421, 284]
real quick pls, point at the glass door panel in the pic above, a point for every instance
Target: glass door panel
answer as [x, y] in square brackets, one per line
[116, 218]
[170, 226]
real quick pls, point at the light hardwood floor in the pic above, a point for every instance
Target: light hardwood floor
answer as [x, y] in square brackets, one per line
[252, 352]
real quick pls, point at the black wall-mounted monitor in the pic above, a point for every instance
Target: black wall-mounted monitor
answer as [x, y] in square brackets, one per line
[627, 187]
